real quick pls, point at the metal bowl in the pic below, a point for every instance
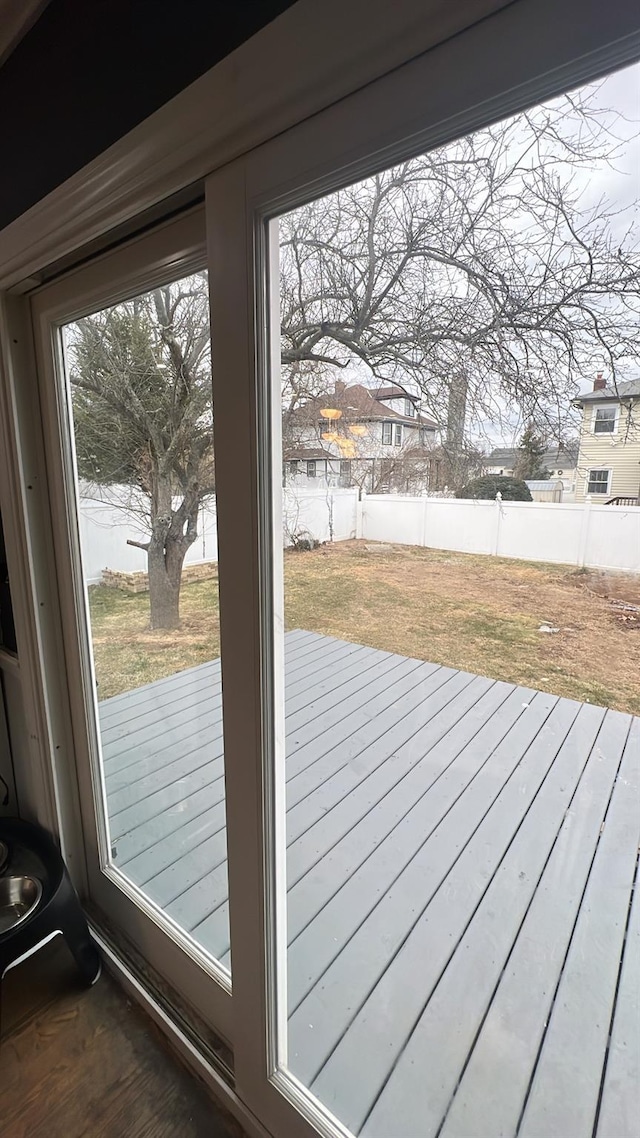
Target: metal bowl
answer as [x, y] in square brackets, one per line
[18, 898]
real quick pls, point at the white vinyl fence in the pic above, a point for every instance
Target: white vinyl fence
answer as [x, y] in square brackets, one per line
[606, 537]
[106, 526]
[596, 536]
[107, 522]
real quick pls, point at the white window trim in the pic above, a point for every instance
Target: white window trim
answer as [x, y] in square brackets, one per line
[397, 434]
[387, 428]
[594, 495]
[595, 407]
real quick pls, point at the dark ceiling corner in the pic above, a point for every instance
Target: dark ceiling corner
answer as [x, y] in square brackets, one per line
[85, 74]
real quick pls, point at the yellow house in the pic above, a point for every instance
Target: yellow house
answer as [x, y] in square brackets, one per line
[609, 454]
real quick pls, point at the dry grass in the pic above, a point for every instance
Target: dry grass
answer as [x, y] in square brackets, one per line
[480, 614]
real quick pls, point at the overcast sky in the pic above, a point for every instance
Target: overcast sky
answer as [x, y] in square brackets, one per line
[618, 186]
[621, 91]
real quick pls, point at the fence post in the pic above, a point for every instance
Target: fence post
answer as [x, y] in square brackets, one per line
[584, 534]
[359, 514]
[498, 516]
[424, 521]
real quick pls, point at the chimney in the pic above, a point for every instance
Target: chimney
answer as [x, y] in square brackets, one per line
[599, 382]
[340, 387]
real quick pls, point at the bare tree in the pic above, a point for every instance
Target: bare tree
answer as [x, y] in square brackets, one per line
[478, 275]
[140, 377]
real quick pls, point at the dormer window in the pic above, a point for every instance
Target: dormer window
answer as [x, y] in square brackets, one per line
[605, 420]
[409, 408]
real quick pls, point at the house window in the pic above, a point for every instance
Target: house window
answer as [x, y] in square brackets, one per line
[293, 467]
[397, 438]
[598, 482]
[311, 468]
[387, 433]
[409, 408]
[345, 472]
[604, 420]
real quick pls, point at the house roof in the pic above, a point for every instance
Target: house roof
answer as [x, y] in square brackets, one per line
[555, 456]
[561, 456]
[503, 455]
[629, 389]
[306, 454]
[359, 404]
[395, 392]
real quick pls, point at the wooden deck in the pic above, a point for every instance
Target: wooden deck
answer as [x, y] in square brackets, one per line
[464, 957]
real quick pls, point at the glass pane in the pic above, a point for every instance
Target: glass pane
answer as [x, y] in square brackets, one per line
[139, 380]
[459, 743]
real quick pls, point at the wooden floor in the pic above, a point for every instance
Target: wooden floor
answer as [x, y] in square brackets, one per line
[86, 1063]
[461, 861]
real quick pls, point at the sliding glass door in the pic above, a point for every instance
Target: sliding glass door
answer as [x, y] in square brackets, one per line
[129, 390]
[409, 785]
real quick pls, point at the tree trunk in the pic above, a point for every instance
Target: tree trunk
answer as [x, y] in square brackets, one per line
[173, 531]
[165, 574]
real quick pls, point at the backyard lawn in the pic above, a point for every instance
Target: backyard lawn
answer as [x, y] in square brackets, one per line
[480, 614]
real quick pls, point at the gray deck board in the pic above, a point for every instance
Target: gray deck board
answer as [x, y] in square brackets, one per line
[460, 861]
[566, 1083]
[620, 1108]
[396, 867]
[464, 991]
[505, 1053]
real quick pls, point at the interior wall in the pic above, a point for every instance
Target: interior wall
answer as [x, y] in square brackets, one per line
[86, 74]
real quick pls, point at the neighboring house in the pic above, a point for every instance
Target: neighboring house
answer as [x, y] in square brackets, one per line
[559, 462]
[609, 455]
[377, 439]
[502, 460]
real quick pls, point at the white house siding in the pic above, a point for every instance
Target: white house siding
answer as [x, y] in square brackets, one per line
[369, 445]
[618, 452]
